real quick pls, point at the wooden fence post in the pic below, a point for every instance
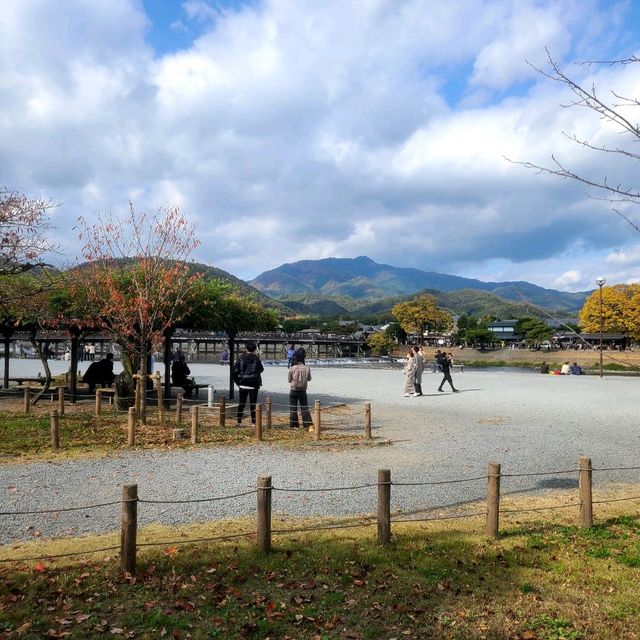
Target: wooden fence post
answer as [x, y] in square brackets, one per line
[27, 399]
[131, 427]
[195, 416]
[128, 528]
[264, 513]
[98, 401]
[259, 422]
[586, 498]
[55, 430]
[61, 400]
[223, 410]
[493, 499]
[316, 425]
[384, 506]
[367, 420]
[179, 402]
[268, 425]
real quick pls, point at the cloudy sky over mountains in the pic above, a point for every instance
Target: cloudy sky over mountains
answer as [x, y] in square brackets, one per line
[296, 129]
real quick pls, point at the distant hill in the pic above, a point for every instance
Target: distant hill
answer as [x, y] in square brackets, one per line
[466, 301]
[363, 279]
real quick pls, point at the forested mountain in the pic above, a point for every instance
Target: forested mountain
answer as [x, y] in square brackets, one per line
[363, 279]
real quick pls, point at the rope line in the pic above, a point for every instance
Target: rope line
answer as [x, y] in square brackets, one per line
[229, 537]
[325, 528]
[424, 484]
[93, 506]
[539, 473]
[60, 555]
[451, 517]
[320, 489]
[615, 500]
[237, 495]
[559, 506]
[617, 469]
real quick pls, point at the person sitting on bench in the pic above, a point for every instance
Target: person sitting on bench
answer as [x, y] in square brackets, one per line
[100, 372]
[180, 376]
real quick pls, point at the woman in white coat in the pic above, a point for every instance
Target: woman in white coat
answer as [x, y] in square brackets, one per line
[410, 375]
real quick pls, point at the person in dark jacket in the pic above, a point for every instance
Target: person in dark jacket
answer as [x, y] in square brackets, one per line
[180, 373]
[100, 372]
[246, 374]
[444, 361]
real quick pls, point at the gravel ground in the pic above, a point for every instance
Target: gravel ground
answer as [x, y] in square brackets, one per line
[526, 421]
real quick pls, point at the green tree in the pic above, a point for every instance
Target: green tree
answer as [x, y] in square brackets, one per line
[380, 344]
[421, 315]
[217, 306]
[533, 330]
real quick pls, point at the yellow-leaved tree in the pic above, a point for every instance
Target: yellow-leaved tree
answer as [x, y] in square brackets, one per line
[620, 310]
[422, 314]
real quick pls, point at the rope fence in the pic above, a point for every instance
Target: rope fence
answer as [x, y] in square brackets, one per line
[212, 414]
[265, 491]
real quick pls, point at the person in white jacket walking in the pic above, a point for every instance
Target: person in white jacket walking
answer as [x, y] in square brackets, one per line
[410, 375]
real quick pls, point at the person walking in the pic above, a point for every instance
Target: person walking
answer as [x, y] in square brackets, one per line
[419, 369]
[246, 374]
[410, 375]
[299, 375]
[445, 361]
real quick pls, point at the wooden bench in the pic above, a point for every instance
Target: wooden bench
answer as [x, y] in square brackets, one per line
[22, 380]
[196, 387]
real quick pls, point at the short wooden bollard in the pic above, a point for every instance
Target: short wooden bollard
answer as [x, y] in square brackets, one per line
[195, 417]
[259, 422]
[316, 422]
[493, 499]
[129, 528]
[55, 430]
[264, 513]
[27, 400]
[61, 400]
[131, 427]
[179, 402]
[223, 410]
[98, 401]
[585, 488]
[384, 506]
[367, 420]
[269, 414]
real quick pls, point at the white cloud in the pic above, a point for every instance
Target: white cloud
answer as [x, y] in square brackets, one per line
[294, 130]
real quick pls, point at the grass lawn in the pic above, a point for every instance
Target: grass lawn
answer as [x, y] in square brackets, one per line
[436, 580]
[83, 434]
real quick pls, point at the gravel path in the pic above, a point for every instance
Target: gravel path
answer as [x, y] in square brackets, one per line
[526, 421]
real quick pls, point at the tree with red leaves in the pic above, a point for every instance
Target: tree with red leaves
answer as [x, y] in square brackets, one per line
[24, 223]
[140, 280]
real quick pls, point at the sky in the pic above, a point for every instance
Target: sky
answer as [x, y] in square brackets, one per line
[294, 129]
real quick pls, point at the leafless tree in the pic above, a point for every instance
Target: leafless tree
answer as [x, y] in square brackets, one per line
[612, 108]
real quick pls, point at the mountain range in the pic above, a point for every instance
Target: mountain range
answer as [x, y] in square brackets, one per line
[333, 281]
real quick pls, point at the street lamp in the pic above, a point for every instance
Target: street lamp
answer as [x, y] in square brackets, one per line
[600, 281]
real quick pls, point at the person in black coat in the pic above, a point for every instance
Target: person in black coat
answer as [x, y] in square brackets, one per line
[246, 374]
[100, 372]
[180, 373]
[444, 361]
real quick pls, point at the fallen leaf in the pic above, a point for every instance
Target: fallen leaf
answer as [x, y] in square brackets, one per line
[171, 551]
[40, 566]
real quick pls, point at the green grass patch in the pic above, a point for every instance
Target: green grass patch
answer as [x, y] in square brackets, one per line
[441, 580]
[28, 437]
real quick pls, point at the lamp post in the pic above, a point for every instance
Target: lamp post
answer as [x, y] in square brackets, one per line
[600, 281]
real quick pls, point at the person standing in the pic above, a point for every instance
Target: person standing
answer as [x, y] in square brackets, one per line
[410, 375]
[299, 376]
[419, 369]
[445, 361]
[246, 374]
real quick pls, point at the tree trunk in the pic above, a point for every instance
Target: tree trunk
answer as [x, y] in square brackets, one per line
[7, 345]
[125, 387]
[47, 372]
[167, 366]
[73, 372]
[144, 360]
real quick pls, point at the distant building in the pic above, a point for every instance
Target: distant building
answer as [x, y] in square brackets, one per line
[504, 330]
